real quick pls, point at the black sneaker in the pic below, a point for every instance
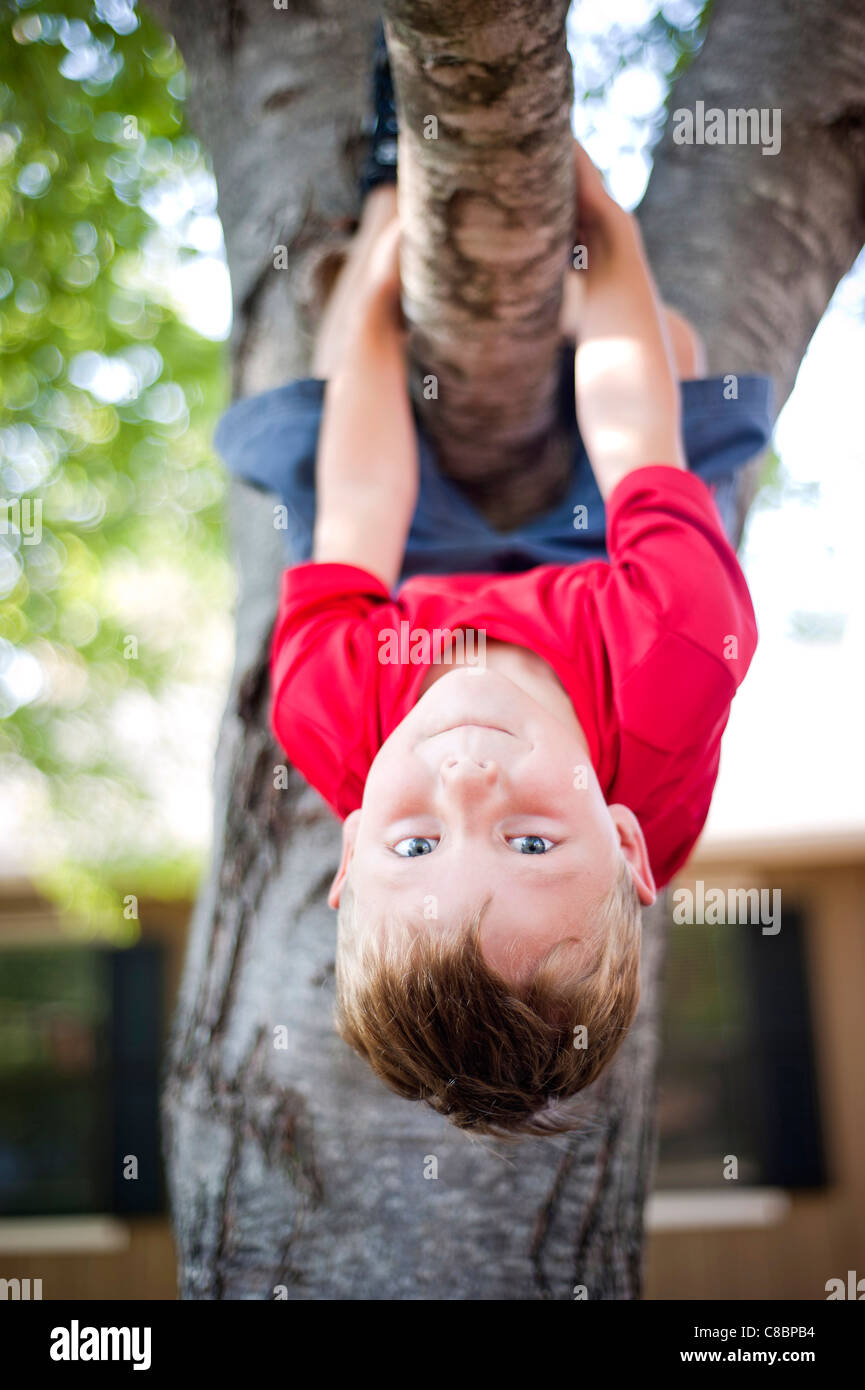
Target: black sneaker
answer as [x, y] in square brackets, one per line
[381, 129]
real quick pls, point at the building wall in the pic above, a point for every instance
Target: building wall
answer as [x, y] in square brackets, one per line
[823, 1234]
[130, 1258]
[142, 1270]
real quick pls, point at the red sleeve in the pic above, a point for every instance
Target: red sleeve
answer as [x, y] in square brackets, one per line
[327, 724]
[680, 634]
[676, 609]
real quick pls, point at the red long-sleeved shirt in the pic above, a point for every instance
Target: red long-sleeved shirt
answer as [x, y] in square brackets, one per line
[650, 646]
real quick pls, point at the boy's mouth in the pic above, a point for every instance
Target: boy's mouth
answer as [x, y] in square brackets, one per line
[474, 724]
[470, 726]
[472, 730]
[483, 708]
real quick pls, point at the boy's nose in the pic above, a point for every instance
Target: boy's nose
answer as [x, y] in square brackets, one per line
[469, 777]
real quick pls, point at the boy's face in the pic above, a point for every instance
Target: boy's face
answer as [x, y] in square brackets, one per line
[484, 793]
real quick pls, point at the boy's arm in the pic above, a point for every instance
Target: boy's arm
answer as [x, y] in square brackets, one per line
[367, 463]
[626, 389]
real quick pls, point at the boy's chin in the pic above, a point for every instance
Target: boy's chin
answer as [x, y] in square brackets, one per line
[461, 698]
[468, 672]
[476, 681]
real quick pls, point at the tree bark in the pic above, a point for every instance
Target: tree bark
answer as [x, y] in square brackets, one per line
[486, 194]
[292, 1171]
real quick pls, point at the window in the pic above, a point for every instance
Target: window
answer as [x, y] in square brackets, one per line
[737, 1070]
[80, 1034]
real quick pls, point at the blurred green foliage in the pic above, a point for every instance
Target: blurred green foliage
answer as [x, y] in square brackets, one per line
[107, 403]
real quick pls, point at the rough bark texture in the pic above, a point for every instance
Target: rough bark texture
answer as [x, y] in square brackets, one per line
[487, 208]
[294, 1167]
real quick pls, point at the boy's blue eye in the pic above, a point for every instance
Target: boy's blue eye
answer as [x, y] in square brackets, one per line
[530, 844]
[415, 845]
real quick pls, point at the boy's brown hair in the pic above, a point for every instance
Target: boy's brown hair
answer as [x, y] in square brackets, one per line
[436, 1023]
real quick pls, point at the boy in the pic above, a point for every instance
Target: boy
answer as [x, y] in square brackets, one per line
[504, 822]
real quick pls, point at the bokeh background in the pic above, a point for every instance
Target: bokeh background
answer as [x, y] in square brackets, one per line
[115, 304]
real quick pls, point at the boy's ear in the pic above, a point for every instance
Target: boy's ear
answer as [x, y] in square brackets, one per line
[633, 846]
[349, 835]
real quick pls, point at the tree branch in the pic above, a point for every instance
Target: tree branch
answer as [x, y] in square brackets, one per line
[486, 186]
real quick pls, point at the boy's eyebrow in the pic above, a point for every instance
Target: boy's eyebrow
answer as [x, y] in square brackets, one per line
[544, 877]
[548, 875]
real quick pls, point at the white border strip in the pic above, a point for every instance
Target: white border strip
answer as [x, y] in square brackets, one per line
[717, 1209]
[62, 1235]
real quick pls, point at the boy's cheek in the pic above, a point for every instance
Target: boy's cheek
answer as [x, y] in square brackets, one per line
[394, 775]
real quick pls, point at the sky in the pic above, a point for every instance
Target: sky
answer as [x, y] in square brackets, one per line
[793, 758]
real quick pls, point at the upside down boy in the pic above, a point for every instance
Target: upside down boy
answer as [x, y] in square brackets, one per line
[504, 821]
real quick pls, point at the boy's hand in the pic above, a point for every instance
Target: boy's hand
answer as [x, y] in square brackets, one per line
[606, 232]
[626, 390]
[601, 222]
[384, 304]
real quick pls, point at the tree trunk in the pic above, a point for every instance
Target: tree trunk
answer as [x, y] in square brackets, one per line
[486, 193]
[292, 1171]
